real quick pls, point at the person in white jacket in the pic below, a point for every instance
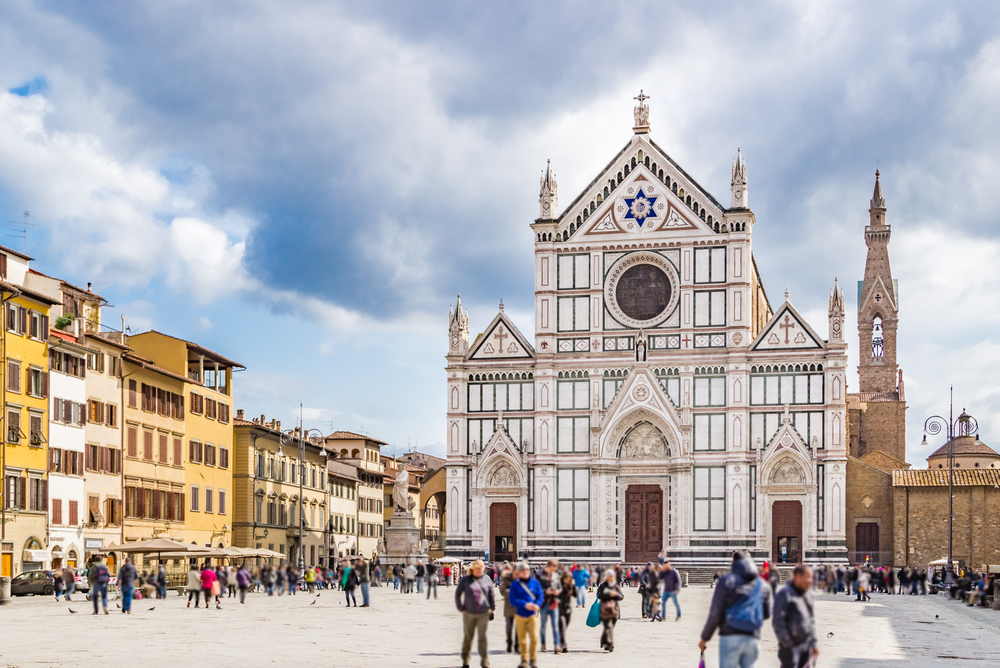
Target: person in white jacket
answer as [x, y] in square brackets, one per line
[194, 587]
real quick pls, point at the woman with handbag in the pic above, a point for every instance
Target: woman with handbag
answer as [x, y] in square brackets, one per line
[609, 593]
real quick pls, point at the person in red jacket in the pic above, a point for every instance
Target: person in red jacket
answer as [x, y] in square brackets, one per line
[207, 580]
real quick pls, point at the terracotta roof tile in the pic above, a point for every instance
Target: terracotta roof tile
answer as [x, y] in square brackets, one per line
[966, 445]
[939, 478]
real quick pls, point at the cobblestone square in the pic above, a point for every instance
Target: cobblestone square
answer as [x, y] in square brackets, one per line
[408, 630]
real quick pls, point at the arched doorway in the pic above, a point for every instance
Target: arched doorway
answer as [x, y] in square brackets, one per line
[643, 523]
[786, 532]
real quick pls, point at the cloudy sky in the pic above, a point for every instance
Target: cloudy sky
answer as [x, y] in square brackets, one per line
[304, 186]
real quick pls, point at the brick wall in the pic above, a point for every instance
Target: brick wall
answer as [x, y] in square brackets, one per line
[864, 480]
[921, 525]
[883, 428]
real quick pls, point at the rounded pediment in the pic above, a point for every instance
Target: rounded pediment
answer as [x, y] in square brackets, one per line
[644, 441]
[787, 472]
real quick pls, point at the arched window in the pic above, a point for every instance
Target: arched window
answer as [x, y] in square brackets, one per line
[877, 338]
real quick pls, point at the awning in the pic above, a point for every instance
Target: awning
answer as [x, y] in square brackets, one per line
[37, 555]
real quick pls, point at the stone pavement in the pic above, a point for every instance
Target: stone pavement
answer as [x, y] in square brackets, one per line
[407, 630]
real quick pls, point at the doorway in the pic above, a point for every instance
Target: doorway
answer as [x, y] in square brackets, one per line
[643, 523]
[786, 532]
[866, 543]
[503, 532]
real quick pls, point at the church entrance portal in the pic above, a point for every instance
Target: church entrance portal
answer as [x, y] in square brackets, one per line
[643, 523]
[503, 532]
[866, 543]
[786, 528]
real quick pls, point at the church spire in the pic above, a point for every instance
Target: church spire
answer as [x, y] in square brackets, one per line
[876, 211]
[548, 194]
[836, 314]
[739, 182]
[458, 329]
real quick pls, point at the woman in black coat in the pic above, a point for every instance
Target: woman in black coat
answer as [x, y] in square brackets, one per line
[566, 598]
[609, 593]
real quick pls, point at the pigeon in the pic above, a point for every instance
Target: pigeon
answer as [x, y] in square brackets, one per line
[830, 634]
[72, 611]
[118, 606]
[151, 609]
[313, 603]
[935, 616]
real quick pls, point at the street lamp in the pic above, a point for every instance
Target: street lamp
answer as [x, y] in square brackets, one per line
[288, 438]
[964, 425]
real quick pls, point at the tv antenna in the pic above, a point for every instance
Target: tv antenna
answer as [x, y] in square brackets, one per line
[22, 226]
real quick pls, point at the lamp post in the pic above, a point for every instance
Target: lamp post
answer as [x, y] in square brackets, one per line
[963, 425]
[288, 438]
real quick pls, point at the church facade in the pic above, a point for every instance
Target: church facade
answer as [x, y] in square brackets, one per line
[661, 405]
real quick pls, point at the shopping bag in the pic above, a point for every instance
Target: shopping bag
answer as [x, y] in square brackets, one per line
[594, 615]
[701, 663]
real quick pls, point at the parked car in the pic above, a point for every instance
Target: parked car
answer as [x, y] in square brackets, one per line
[82, 583]
[33, 582]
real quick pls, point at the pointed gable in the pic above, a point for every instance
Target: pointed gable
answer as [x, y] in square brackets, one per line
[787, 330]
[642, 191]
[879, 295]
[787, 459]
[641, 395]
[501, 340]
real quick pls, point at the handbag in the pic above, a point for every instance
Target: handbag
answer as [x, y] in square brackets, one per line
[594, 614]
[701, 663]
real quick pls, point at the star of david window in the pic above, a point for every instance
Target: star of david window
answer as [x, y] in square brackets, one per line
[643, 292]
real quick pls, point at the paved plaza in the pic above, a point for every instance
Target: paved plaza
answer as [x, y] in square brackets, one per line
[407, 630]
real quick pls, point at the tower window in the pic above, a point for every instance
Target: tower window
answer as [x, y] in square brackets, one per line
[877, 339]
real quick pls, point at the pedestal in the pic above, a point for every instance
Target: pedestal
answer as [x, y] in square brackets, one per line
[402, 541]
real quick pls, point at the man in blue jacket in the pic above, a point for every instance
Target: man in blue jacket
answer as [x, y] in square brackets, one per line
[581, 578]
[474, 599]
[526, 596]
[740, 605]
[671, 581]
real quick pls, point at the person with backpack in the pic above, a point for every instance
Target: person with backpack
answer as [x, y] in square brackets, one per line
[581, 578]
[793, 621]
[527, 596]
[474, 599]
[549, 579]
[99, 576]
[740, 605]
[127, 575]
[349, 582]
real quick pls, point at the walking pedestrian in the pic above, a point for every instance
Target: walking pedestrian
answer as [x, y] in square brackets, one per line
[350, 583]
[207, 581]
[161, 582]
[194, 585]
[740, 605]
[421, 571]
[126, 584]
[527, 596]
[364, 581]
[397, 572]
[793, 622]
[432, 579]
[231, 583]
[609, 593]
[474, 599]
[409, 577]
[653, 588]
[506, 580]
[447, 575]
[243, 581]
[566, 596]
[549, 614]
[581, 578]
[98, 577]
[670, 580]
[644, 579]
[69, 582]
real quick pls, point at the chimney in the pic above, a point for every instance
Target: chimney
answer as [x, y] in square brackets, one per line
[239, 413]
[88, 286]
[277, 425]
[262, 418]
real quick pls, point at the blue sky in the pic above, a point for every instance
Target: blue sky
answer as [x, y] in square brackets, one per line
[305, 186]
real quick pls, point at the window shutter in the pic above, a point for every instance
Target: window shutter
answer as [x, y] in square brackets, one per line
[3, 266]
[178, 452]
[82, 415]
[181, 507]
[45, 384]
[73, 513]
[44, 501]
[45, 327]
[34, 324]
[10, 317]
[133, 437]
[57, 511]
[23, 324]
[131, 393]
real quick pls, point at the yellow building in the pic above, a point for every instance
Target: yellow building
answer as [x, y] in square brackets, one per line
[208, 430]
[364, 453]
[24, 395]
[153, 465]
[266, 483]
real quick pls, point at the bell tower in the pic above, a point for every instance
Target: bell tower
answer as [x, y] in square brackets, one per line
[878, 305]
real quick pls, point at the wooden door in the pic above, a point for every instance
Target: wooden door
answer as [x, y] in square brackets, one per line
[643, 523]
[866, 540]
[786, 532]
[6, 565]
[503, 532]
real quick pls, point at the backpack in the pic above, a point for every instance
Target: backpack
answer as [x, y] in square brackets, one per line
[747, 614]
[102, 576]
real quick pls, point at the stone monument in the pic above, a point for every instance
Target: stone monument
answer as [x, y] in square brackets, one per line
[402, 536]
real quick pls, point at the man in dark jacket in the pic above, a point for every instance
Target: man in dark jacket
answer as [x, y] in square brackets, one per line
[474, 599]
[741, 599]
[793, 621]
[549, 579]
[644, 582]
[364, 581]
[670, 579]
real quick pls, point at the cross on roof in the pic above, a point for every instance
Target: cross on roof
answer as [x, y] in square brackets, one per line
[642, 97]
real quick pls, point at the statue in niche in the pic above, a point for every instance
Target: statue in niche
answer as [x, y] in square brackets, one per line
[645, 442]
[788, 473]
[503, 477]
[640, 346]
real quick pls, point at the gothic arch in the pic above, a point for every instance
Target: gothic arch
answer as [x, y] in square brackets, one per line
[612, 437]
[788, 467]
